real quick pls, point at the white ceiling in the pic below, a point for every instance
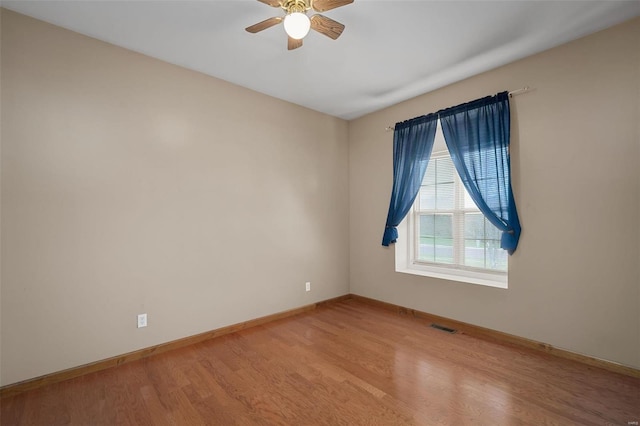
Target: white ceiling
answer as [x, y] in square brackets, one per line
[390, 51]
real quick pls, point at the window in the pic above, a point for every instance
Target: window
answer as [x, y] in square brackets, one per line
[446, 236]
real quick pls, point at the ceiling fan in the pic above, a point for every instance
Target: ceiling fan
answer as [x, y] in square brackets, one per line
[296, 21]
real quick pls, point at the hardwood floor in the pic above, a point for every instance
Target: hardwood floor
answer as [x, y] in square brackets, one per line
[349, 363]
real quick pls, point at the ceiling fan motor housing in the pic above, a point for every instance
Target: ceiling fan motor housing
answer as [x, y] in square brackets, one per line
[291, 6]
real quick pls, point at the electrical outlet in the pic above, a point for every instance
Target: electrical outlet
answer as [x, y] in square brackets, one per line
[142, 320]
[307, 286]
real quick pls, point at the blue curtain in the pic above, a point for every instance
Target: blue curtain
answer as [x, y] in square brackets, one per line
[477, 135]
[412, 145]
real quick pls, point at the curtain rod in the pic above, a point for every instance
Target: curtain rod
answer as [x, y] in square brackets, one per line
[512, 93]
[520, 91]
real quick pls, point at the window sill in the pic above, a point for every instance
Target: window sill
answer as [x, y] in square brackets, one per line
[470, 277]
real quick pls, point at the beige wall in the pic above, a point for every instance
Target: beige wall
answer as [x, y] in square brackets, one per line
[574, 280]
[130, 185]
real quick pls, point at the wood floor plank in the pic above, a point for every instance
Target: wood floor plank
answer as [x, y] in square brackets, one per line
[348, 363]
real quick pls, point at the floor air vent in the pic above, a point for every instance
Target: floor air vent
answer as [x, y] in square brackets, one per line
[443, 328]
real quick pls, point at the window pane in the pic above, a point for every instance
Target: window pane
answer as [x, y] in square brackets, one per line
[430, 174]
[445, 170]
[426, 249]
[444, 250]
[468, 201]
[427, 225]
[474, 253]
[444, 238]
[474, 226]
[427, 198]
[493, 233]
[443, 226]
[445, 197]
[436, 238]
[496, 257]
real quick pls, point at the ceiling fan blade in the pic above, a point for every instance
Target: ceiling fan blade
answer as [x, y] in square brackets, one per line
[294, 44]
[324, 5]
[326, 26]
[267, 23]
[272, 3]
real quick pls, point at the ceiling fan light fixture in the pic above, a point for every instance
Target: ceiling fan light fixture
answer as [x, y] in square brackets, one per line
[296, 21]
[297, 25]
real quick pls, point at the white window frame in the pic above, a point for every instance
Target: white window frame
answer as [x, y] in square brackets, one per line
[405, 253]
